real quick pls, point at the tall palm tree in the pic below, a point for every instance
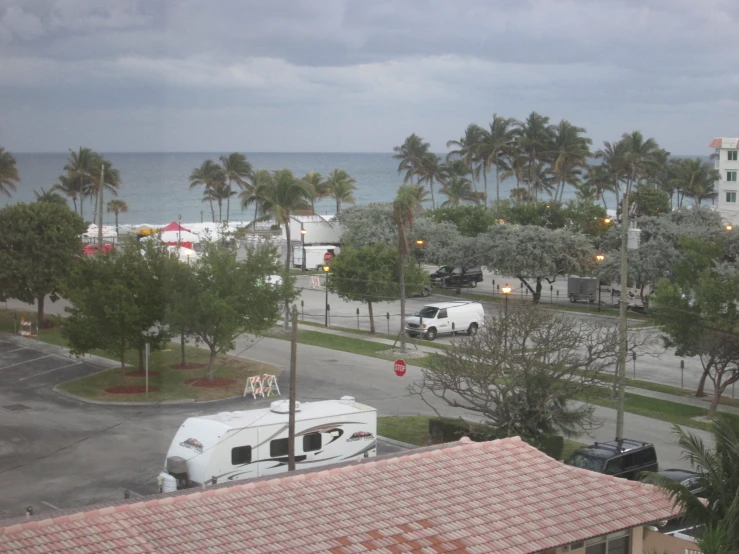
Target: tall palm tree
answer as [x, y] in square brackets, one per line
[599, 181]
[494, 147]
[516, 167]
[281, 198]
[261, 181]
[117, 206]
[586, 192]
[238, 170]
[459, 189]
[696, 179]
[404, 209]
[317, 187]
[570, 152]
[411, 154]
[211, 176]
[613, 164]
[466, 149]
[50, 196]
[430, 170]
[104, 178]
[340, 186]
[80, 167]
[534, 139]
[540, 179]
[8, 172]
[718, 470]
[69, 186]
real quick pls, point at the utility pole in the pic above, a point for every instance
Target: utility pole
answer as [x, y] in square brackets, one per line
[622, 337]
[291, 417]
[100, 208]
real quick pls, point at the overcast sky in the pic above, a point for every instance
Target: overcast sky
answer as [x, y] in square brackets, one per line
[359, 75]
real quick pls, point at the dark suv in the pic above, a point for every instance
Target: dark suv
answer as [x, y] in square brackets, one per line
[449, 276]
[621, 458]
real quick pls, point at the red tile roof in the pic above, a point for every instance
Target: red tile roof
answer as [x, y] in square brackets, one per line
[501, 496]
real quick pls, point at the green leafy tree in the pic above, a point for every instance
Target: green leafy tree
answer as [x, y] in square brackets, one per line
[411, 154]
[458, 189]
[50, 196]
[469, 220]
[467, 149]
[117, 300]
[367, 225]
[494, 147]
[212, 177]
[39, 244]
[317, 187]
[233, 298]
[570, 155]
[649, 200]
[182, 288]
[9, 177]
[237, 171]
[404, 211]
[80, 167]
[69, 187]
[543, 214]
[694, 178]
[340, 186]
[370, 275]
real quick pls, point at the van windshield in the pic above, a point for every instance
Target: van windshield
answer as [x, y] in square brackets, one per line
[428, 312]
[578, 459]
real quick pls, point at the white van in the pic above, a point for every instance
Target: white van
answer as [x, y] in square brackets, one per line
[446, 317]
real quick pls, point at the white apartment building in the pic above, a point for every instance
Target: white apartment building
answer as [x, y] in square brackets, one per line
[727, 187]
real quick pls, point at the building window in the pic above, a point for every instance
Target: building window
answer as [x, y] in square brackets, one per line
[731, 175]
[731, 196]
[312, 442]
[278, 448]
[615, 543]
[240, 455]
[732, 155]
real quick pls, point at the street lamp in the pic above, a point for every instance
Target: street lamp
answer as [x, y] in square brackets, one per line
[302, 242]
[326, 270]
[729, 227]
[506, 290]
[607, 220]
[599, 258]
[420, 243]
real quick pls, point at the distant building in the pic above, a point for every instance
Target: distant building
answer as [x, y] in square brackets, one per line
[727, 187]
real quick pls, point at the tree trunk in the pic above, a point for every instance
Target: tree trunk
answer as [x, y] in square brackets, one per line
[371, 317]
[485, 178]
[74, 201]
[220, 211]
[116, 225]
[123, 357]
[40, 311]
[82, 207]
[497, 183]
[228, 208]
[212, 211]
[338, 207]
[287, 270]
[182, 347]
[537, 292]
[717, 392]
[211, 363]
[702, 383]
[401, 275]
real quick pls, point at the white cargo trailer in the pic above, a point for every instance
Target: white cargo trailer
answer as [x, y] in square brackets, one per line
[314, 255]
[231, 446]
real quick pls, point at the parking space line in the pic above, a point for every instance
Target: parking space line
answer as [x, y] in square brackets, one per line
[49, 371]
[15, 350]
[50, 505]
[27, 361]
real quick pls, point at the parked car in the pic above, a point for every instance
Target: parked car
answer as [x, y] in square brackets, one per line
[687, 478]
[624, 458]
[425, 291]
[446, 317]
[449, 276]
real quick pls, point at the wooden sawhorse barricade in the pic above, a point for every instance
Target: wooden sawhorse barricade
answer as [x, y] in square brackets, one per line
[262, 385]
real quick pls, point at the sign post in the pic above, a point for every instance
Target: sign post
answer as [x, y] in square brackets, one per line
[146, 367]
[399, 367]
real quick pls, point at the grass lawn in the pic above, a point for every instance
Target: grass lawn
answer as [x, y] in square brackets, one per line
[171, 383]
[415, 430]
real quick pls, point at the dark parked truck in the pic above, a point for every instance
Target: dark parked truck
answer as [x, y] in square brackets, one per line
[582, 288]
[449, 276]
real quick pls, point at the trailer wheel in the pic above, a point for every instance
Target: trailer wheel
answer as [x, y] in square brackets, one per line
[573, 298]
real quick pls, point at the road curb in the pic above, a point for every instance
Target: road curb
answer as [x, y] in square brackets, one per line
[59, 350]
[399, 444]
[57, 390]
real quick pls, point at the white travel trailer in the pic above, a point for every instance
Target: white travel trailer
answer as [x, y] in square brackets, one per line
[230, 446]
[446, 317]
[314, 255]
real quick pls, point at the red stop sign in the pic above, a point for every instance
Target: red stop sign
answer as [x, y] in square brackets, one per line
[327, 257]
[399, 368]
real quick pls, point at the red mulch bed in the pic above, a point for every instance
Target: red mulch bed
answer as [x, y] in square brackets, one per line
[141, 373]
[187, 366]
[129, 389]
[216, 382]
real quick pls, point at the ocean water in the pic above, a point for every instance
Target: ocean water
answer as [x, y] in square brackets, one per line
[156, 186]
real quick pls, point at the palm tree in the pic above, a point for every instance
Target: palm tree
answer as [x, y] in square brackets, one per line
[50, 196]
[718, 470]
[317, 187]
[430, 170]
[211, 176]
[404, 209]
[80, 167]
[495, 145]
[280, 198]
[238, 170]
[117, 206]
[467, 149]
[570, 152]
[534, 139]
[540, 179]
[459, 189]
[340, 186]
[262, 180]
[411, 154]
[422, 196]
[8, 172]
[599, 181]
[103, 177]
[586, 192]
[612, 156]
[696, 179]
[69, 186]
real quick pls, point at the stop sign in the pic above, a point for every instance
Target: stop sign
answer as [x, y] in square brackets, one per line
[399, 368]
[327, 257]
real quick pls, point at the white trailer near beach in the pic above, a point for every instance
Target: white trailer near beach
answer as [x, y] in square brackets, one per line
[314, 255]
[231, 446]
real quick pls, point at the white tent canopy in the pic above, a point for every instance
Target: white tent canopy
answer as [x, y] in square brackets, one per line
[184, 254]
[179, 236]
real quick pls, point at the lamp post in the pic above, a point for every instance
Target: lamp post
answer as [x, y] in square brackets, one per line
[302, 242]
[506, 290]
[420, 243]
[729, 227]
[201, 216]
[326, 270]
[599, 258]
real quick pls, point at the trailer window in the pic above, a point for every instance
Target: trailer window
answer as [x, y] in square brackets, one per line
[240, 455]
[312, 442]
[277, 448]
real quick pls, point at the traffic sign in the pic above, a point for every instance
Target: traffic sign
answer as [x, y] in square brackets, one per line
[399, 368]
[327, 257]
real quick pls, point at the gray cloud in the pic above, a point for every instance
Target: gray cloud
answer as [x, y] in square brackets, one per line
[340, 75]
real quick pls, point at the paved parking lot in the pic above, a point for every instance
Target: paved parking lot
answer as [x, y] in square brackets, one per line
[57, 452]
